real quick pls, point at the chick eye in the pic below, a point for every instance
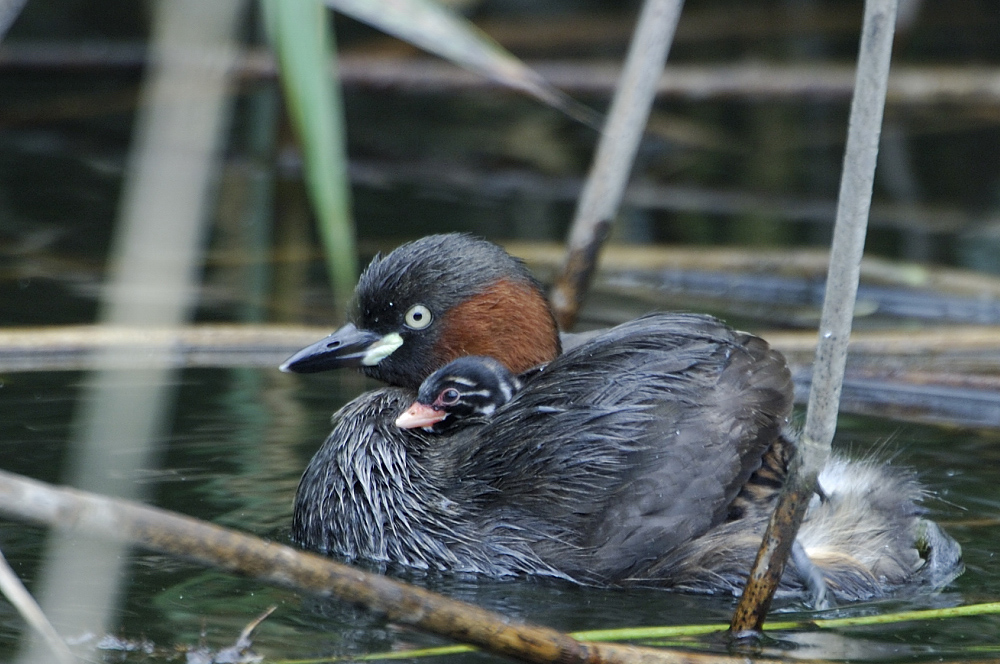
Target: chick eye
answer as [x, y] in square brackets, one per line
[449, 396]
[418, 317]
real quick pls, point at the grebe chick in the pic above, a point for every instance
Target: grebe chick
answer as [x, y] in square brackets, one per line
[463, 392]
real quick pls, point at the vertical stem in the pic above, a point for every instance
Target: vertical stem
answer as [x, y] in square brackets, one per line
[854, 202]
[849, 232]
[153, 272]
[602, 194]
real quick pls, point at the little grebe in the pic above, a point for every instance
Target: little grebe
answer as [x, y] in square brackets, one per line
[463, 392]
[649, 454]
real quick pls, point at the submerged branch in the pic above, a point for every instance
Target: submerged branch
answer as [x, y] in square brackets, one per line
[933, 349]
[76, 346]
[910, 85]
[937, 374]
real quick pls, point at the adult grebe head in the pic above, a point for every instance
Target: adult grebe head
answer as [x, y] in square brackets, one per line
[434, 300]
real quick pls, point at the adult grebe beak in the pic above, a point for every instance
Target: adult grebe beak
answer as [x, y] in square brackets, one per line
[348, 347]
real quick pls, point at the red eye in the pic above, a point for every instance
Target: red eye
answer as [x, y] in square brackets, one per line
[449, 397]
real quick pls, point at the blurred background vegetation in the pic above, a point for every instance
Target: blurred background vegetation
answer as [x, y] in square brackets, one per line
[744, 145]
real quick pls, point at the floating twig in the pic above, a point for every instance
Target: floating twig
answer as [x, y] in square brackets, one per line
[21, 599]
[119, 520]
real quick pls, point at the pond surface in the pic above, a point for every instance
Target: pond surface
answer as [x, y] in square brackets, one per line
[229, 444]
[235, 445]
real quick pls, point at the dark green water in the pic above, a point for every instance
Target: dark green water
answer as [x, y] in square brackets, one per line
[233, 442]
[232, 454]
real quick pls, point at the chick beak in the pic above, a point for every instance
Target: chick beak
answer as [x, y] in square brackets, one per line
[420, 415]
[348, 347]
